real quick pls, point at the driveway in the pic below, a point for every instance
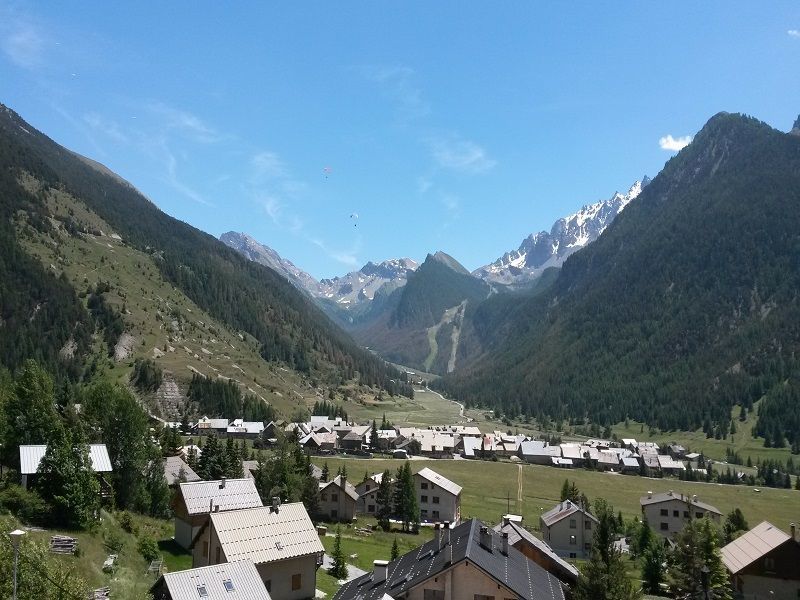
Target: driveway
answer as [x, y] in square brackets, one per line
[352, 571]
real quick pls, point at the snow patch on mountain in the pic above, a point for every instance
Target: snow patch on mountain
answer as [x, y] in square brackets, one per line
[542, 250]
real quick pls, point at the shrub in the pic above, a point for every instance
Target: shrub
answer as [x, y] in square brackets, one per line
[126, 522]
[148, 548]
[27, 505]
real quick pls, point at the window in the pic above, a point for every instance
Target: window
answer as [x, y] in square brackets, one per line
[423, 499]
[424, 512]
[664, 526]
[296, 582]
[424, 485]
[482, 597]
[587, 546]
[664, 512]
[334, 513]
[324, 496]
[676, 513]
[371, 508]
[436, 499]
[686, 514]
[368, 488]
[436, 514]
[228, 585]
[572, 540]
[769, 564]
[202, 591]
[699, 515]
[573, 555]
[587, 525]
[433, 594]
[573, 524]
[335, 497]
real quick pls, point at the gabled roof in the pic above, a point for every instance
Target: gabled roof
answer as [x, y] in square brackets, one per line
[562, 510]
[517, 532]
[241, 577]
[523, 577]
[31, 456]
[206, 423]
[249, 427]
[262, 535]
[668, 496]
[440, 480]
[337, 483]
[749, 547]
[539, 448]
[172, 470]
[227, 494]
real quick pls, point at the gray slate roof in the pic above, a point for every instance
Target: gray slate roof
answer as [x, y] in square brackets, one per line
[440, 480]
[262, 535]
[172, 470]
[517, 532]
[243, 577]
[31, 456]
[562, 510]
[235, 494]
[667, 496]
[528, 580]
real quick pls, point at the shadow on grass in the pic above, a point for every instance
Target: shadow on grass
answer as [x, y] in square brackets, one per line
[175, 557]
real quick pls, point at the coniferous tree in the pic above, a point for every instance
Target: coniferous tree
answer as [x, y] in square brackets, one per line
[734, 523]
[696, 548]
[156, 495]
[383, 509]
[654, 560]
[395, 550]
[325, 473]
[338, 569]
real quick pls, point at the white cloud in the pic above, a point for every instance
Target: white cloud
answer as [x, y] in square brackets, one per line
[424, 184]
[187, 123]
[24, 46]
[346, 257]
[397, 83]
[267, 165]
[674, 144]
[794, 33]
[460, 155]
[451, 203]
[176, 183]
[105, 126]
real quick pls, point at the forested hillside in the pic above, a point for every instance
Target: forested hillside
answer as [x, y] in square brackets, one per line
[245, 296]
[684, 307]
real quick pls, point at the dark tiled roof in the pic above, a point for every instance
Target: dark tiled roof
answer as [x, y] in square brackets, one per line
[525, 578]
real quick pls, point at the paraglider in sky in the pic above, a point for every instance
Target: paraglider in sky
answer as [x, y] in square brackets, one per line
[327, 171]
[354, 219]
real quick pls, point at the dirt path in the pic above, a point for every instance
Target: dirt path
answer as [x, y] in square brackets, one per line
[458, 318]
[519, 489]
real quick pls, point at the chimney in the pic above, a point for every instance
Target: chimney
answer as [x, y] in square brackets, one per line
[694, 498]
[505, 543]
[793, 530]
[276, 503]
[446, 533]
[211, 505]
[671, 493]
[486, 538]
[506, 520]
[216, 508]
[380, 570]
[649, 494]
[437, 533]
[222, 483]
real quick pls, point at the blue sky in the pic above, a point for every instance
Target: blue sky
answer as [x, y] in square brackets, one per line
[449, 126]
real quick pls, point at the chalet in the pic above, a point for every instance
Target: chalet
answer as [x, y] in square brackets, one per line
[226, 581]
[538, 452]
[629, 443]
[537, 550]
[279, 539]
[668, 512]
[438, 498]
[245, 429]
[337, 499]
[763, 563]
[177, 471]
[608, 461]
[469, 561]
[630, 465]
[355, 439]
[367, 492]
[670, 466]
[30, 457]
[195, 501]
[573, 453]
[676, 451]
[206, 426]
[568, 529]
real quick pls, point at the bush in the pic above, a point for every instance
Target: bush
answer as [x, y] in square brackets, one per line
[27, 505]
[126, 522]
[148, 548]
[113, 540]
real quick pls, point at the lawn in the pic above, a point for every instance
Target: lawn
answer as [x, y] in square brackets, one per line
[427, 408]
[490, 489]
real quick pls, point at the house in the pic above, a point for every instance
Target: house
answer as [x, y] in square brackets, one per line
[31, 455]
[337, 499]
[573, 452]
[249, 468]
[279, 539]
[177, 471]
[608, 461]
[438, 498]
[538, 452]
[367, 492]
[629, 443]
[195, 501]
[354, 439]
[537, 550]
[568, 529]
[631, 465]
[245, 429]
[763, 563]
[226, 581]
[676, 451]
[670, 466]
[206, 426]
[471, 447]
[668, 512]
[469, 561]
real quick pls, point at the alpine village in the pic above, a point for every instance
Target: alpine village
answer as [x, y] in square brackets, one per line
[611, 411]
